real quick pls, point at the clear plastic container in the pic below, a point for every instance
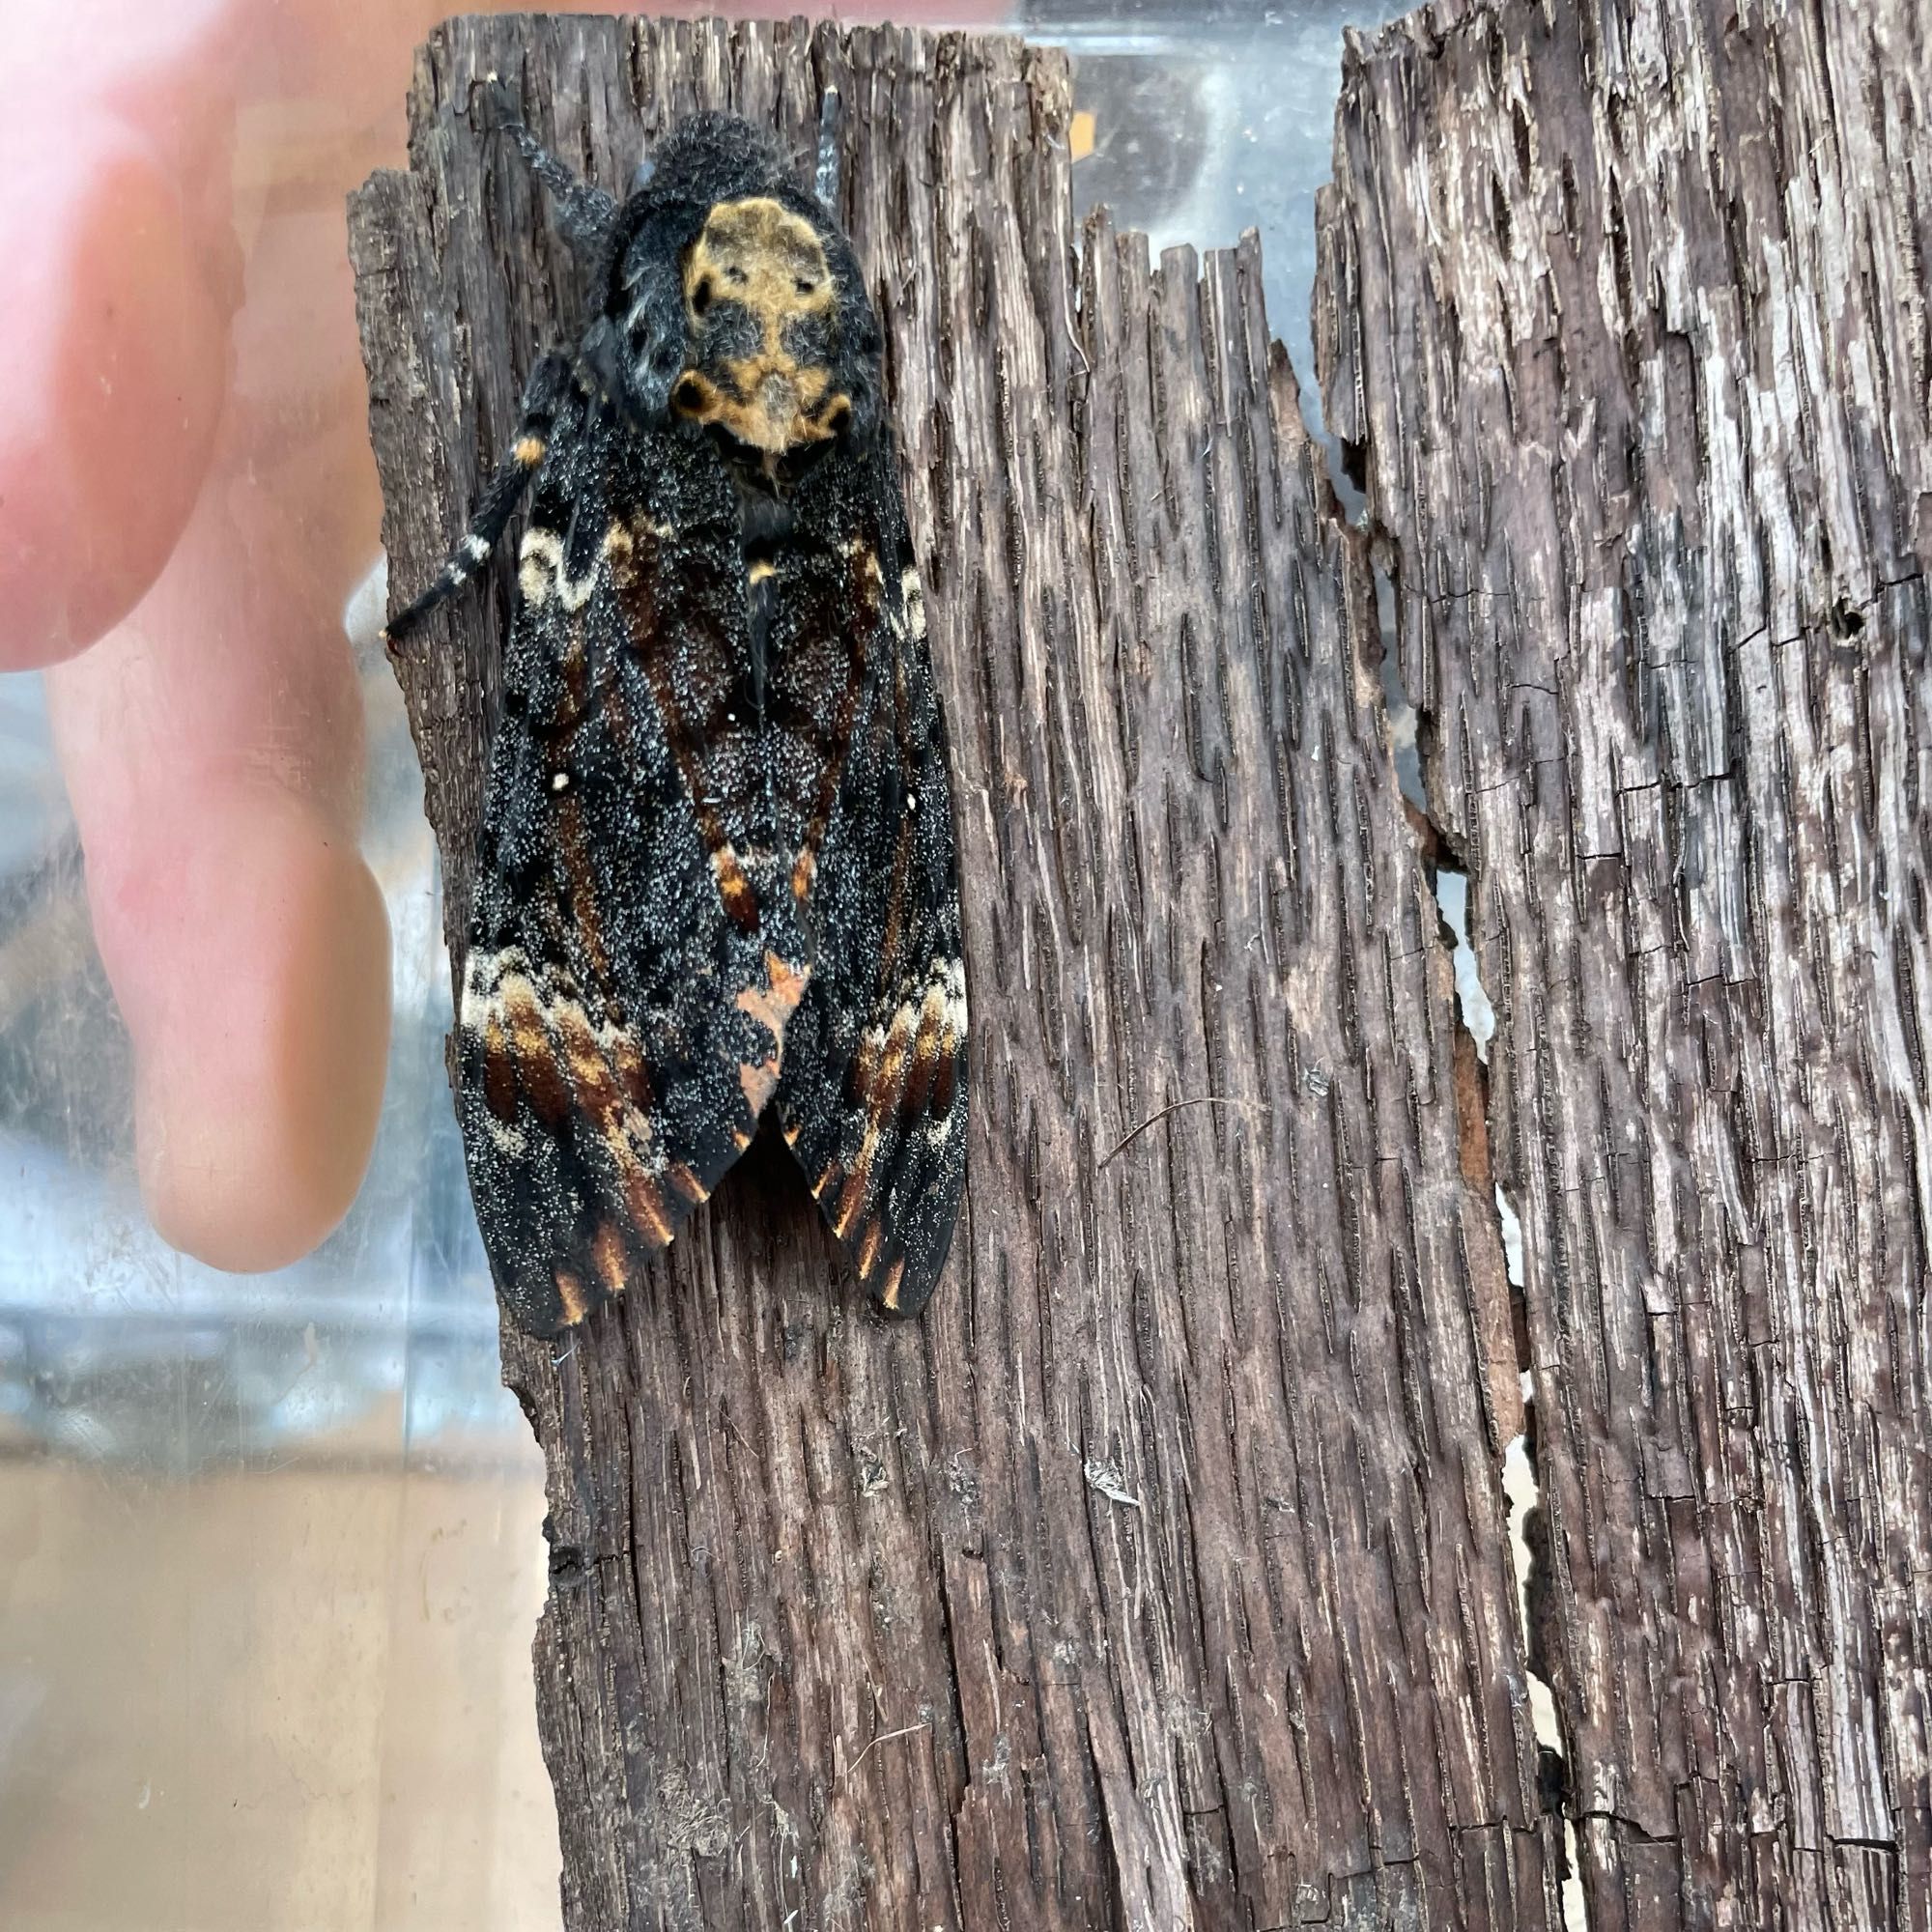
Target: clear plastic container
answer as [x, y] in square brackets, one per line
[271, 1544]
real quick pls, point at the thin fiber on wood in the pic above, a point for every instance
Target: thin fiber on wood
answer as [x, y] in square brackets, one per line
[1625, 312]
[1159, 1576]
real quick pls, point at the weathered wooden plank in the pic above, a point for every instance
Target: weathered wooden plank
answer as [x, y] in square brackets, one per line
[1157, 1576]
[1626, 319]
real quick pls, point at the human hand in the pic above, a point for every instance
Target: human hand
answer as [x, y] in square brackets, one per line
[186, 498]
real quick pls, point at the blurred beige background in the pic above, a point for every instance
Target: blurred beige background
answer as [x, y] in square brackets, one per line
[291, 1698]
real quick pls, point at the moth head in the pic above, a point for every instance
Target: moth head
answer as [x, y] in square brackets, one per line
[735, 301]
[763, 327]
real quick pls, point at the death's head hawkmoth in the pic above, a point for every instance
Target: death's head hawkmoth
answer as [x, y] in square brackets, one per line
[716, 870]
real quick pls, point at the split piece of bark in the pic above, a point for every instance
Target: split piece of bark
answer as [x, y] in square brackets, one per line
[1158, 1576]
[1625, 313]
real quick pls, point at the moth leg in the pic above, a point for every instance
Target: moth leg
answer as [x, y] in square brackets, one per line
[584, 212]
[830, 115]
[548, 384]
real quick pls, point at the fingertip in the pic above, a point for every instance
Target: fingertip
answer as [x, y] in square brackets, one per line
[259, 1005]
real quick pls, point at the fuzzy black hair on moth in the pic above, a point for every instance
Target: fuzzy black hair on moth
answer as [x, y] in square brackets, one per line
[718, 870]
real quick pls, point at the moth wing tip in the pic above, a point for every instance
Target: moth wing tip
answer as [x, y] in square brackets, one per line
[902, 1289]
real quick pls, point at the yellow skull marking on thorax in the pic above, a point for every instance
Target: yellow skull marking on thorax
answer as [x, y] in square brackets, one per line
[769, 262]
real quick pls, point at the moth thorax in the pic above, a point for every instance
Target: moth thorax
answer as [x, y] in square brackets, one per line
[761, 315]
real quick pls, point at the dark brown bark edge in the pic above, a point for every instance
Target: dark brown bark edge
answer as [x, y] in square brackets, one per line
[1624, 309]
[1158, 1576]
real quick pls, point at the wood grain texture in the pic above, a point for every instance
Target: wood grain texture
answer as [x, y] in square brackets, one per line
[1157, 1576]
[1625, 313]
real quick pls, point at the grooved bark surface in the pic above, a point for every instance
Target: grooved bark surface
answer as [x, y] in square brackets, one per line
[1159, 1576]
[1625, 309]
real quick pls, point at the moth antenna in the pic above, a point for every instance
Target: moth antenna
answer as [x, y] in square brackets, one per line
[585, 213]
[831, 118]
